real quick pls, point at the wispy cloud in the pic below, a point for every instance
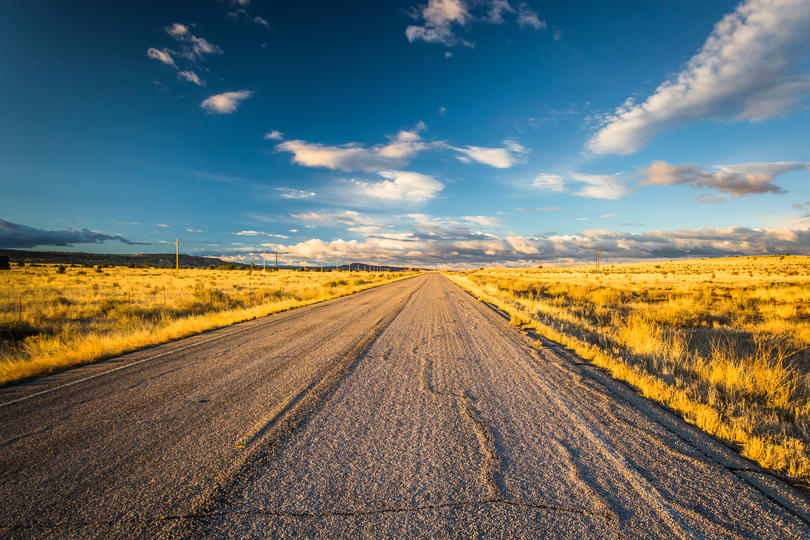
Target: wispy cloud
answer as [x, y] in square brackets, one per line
[504, 157]
[750, 68]
[192, 49]
[274, 135]
[736, 180]
[528, 17]
[484, 221]
[441, 20]
[225, 103]
[549, 182]
[290, 193]
[190, 76]
[164, 55]
[16, 236]
[601, 186]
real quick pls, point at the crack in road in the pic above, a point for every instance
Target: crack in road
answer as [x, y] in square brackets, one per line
[492, 461]
[316, 515]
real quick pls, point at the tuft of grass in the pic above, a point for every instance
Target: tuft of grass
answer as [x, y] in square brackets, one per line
[722, 341]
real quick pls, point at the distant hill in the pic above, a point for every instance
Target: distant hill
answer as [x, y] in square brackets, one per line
[109, 259]
[163, 259]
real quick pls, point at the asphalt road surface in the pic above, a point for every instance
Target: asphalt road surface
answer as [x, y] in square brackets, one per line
[406, 410]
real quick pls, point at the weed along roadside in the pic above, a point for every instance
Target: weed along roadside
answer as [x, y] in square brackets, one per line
[723, 342]
[53, 317]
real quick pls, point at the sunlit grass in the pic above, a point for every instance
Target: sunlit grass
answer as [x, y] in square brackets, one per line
[722, 341]
[86, 314]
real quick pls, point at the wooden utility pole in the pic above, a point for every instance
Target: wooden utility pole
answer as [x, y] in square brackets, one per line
[177, 254]
[264, 261]
[597, 259]
[276, 259]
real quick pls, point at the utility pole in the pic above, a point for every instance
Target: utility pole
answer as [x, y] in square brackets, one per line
[276, 258]
[597, 259]
[264, 260]
[177, 254]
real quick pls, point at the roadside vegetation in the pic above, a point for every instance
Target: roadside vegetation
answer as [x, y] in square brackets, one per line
[724, 342]
[53, 317]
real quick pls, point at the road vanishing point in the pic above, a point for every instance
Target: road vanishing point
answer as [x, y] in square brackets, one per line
[407, 410]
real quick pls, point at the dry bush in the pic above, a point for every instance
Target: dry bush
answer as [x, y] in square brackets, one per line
[723, 341]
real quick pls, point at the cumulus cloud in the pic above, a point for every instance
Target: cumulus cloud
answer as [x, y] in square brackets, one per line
[549, 182]
[736, 180]
[164, 55]
[16, 236]
[290, 193]
[510, 154]
[528, 17]
[433, 245]
[750, 68]
[274, 135]
[225, 103]
[190, 76]
[402, 186]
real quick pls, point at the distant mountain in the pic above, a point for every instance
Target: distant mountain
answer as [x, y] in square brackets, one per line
[110, 259]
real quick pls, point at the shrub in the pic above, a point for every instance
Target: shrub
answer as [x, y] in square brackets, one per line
[4, 265]
[16, 330]
[61, 269]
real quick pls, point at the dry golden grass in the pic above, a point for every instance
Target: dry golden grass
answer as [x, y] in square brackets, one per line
[722, 341]
[86, 314]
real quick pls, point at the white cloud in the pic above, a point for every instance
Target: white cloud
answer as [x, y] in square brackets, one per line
[736, 180]
[750, 68]
[496, 10]
[226, 102]
[439, 16]
[260, 233]
[484, 221]
[528, 17]
[402, 186]
[163, 226]
[274, 135]
[190, 76]
[177, 30]
[549, 182]
[356, 157]
[601, 186]
[290, 193]
[243, 14]
[160, 55]
[193, 47]
[194, 230]
[502, 158]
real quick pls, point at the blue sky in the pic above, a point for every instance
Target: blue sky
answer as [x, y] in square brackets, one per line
[442, 134]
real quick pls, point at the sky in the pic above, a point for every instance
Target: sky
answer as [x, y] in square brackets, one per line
[446, 134]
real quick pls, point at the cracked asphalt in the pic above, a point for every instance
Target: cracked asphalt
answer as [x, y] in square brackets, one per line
[410, 410]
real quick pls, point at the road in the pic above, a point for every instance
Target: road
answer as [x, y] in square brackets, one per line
[410, 410]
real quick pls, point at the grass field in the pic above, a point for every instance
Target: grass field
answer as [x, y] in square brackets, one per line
[86, 314]
[722, 341]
